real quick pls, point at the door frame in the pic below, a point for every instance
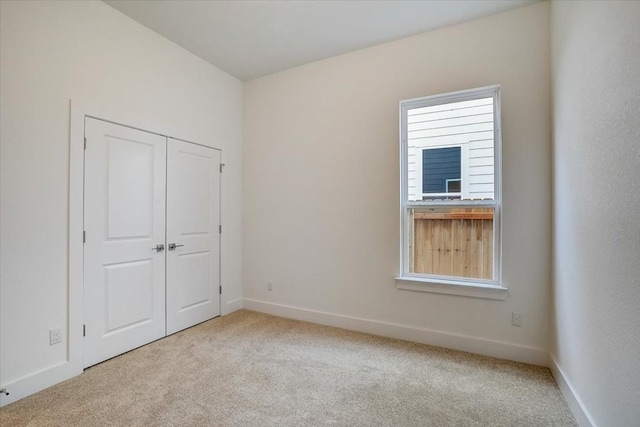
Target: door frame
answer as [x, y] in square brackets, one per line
[79, 109]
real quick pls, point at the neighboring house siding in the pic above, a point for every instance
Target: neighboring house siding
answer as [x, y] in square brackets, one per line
[468, 125]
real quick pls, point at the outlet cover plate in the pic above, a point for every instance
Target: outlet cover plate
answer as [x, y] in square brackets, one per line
[55, 336]
[516, 319]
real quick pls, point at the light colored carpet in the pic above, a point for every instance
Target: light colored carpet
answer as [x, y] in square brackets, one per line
[252, 369]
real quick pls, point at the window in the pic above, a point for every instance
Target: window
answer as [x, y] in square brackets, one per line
[450, 175]
[441, 172]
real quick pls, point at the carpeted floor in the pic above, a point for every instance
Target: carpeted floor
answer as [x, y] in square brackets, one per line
[252, 369]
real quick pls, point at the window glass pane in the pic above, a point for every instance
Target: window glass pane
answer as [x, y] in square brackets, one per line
[451, 242]
[450, 151]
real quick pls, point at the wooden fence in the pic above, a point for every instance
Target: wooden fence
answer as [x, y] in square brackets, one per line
[454, 243]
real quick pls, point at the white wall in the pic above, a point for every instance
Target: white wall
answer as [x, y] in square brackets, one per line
[52, 52]
[321, 185]
[596, 309]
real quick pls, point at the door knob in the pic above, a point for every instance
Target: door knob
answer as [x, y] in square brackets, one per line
[173, 246]
[158, 248]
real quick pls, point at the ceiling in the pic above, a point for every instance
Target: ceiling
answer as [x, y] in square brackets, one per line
[251, 39]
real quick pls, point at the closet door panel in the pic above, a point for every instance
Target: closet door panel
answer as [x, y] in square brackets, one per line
[124, 220]
[193, 238]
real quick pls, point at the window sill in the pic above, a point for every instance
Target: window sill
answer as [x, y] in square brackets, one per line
[452, 287]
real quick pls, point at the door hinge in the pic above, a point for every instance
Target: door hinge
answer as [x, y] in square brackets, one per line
[221, 166]
[84, 330]
[85, 142]
[220, 289]
[220, 229]
[84, 236]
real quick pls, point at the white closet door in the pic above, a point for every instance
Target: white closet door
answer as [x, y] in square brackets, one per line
[193, 218]
[124, 273]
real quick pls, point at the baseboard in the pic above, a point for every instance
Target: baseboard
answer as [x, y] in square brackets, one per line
[580, 413]
[499, 349]
[231, 306]
[37, 381]
[53, 375]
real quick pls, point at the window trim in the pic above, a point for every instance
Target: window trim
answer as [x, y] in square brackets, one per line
[449, 181]
[452, 284]
[452, 287]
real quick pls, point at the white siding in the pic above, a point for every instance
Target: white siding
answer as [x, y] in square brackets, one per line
[468, 124]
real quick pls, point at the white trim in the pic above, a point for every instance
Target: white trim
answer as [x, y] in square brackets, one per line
[450, 97]
[457, 204]
[486, 347]
[445, 285]
[575, 404]
[233, 305]
[465, 170]
[497, 179]
[39, 380]
[404, 189]
[419, 170]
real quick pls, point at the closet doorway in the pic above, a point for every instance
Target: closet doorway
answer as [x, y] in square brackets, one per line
[152, 237]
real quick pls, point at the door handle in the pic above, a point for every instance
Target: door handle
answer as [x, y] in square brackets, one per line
[158, 248]
[173, 246]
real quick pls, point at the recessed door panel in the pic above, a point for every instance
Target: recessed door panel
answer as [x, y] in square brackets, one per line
[130, 188]
[193, 219]
[195, 269]
[124, 274]
[194, 204]
[128, 294]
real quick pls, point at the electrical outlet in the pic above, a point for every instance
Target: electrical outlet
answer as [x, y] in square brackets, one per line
[270, 286]
[516, 319]
[55, 336]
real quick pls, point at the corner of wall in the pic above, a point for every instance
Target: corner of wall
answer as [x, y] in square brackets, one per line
[579, 411]
[231, 306]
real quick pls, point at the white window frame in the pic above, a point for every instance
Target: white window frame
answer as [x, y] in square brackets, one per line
[449, 181]
[473, 287]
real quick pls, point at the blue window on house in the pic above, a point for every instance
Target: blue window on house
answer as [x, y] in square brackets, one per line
[441, 170]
